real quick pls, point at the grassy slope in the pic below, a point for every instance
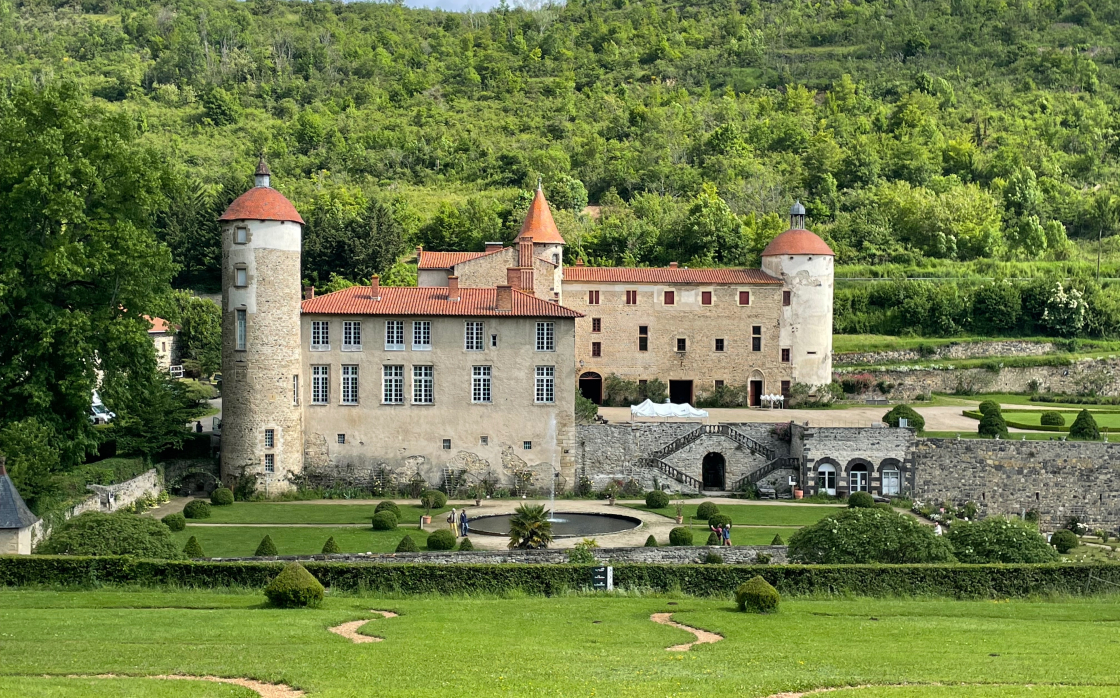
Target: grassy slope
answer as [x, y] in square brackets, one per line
[577, 645]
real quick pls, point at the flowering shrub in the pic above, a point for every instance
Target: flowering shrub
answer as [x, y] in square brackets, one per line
[997, 539]
[861, 536]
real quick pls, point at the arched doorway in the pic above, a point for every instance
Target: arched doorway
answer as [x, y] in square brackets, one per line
[591, 387]
[713, 470]
[826, 479]
[858, 477]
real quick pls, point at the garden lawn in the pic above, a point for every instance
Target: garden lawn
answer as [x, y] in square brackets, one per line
[242, 541]
[1109, 420]
[309, 512]
[753, 514]
[1010, 399]
[566, 645]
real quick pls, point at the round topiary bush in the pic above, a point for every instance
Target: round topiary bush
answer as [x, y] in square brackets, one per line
[433, 499]
[868, 536]
[1084, 427]
[706, 510]
[657, 499]
[713, 558]
[1064, 540]
[443, 539]
[385, 521]
[914, 420]
[861, 500]
[651, 542]
[1052, 419]
[992, 425]
[714, 539]
[407, 545]
[999, 540]
[176, 522]
[294, 587]
[266, 548]
[120, 533]
[388, 506]
[756, 595]
[221, 497]
[680, 536]
[719, 520]
[989, 406]
[777, 540]
[197, 509]
[193, 549]
[330, 547]
[466, 544]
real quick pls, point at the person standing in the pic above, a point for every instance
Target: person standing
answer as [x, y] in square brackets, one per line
[463, 523]
[453, 522]
[727, 535]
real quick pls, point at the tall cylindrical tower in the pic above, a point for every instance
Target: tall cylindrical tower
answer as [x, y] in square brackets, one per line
[804, 263]
[262, 425]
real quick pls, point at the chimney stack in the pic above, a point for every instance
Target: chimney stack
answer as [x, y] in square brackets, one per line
[524, 251]
[513, 277]
[673, 265]
[419, 251]
[505, 299]
[579, 262]
[494, 246]
[526, 281]
[453, 288]
[308, 292]
[375, 287]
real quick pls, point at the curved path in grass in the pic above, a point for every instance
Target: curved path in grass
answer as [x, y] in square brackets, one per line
[350, 630]
[264, 690]
[702, 636]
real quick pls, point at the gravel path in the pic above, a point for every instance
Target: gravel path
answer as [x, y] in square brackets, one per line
[350, 630]
[702, 636]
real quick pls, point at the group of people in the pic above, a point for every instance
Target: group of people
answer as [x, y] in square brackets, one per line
[724, 533]
[459, 523]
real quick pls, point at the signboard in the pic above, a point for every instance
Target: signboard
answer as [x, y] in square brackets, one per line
[602, 578]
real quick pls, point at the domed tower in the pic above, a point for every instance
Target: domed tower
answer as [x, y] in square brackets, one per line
[548, 244]
[262, 426]
[804, 263]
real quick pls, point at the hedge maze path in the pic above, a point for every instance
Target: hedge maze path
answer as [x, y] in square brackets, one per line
[702, 636]
[350, 630]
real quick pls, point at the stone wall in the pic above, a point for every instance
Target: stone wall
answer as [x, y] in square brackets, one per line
[1057, 479]
[106, 498]
[956, 350]
[736, 555]
[847, 447]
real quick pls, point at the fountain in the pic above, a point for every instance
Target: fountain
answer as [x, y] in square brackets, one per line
[552, 499]
[567, 525]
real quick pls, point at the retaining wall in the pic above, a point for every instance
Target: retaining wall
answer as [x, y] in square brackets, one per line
[105, 498]
[961, 350]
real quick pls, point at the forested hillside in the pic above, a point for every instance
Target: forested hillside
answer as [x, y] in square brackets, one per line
[921, 134]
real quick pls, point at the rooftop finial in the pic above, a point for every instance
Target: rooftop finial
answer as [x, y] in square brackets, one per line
[262, 175]
[538, 182]
[797, 216]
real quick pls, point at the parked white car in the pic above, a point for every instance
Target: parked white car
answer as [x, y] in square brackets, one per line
[98, 413]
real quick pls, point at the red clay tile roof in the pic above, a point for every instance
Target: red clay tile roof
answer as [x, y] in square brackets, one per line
[665, 275]
[446, 260]
[158, 324]
[539, 224]
[797, 241]
[261, 204]
[431, 300]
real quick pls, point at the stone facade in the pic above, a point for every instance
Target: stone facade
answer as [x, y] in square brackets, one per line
[957, 350]
[490, 270]
[17, 541]
[806, 322]
[845, 450]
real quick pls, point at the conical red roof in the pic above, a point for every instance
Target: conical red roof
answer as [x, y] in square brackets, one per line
[538, 223]
[261, 204]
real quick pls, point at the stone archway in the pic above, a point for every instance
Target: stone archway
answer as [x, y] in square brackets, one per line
[591, 387]
[714, 471]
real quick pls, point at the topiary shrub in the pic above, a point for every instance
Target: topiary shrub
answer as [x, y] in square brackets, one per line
[385, 521]
[221, 497]
[388, 506]
[197, 509]
[266, 548]
[330, 547]
[193, 549]
[996, 539]
[466, 544]
[861, 500]
[706, 510]
[762, 559]
[713, 558]
[1084, 427]
[443, 539]
[651, 542]
[176, 522]
[719, 520]
[119, 533]
[714, 539]
[680, 536]
[294, 587]
[757, 596]
[1064, 540]
[992, 425]
[407, 545]
[867, 536]
[915, 420]
[433, 499]
[989, 406]
[777, 540]
[657, 499]
[1052, 419]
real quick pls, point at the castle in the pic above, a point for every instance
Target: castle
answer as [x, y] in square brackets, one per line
[473, 373]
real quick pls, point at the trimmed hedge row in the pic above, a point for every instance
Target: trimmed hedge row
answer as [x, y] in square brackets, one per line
[958, 581]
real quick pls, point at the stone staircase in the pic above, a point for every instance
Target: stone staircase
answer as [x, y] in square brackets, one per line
[655, 460]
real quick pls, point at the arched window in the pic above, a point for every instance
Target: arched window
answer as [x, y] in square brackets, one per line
[858, 478]
[892, 481]
[826, 479]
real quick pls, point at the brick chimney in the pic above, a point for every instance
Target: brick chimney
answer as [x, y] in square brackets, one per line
[453, 288]
[524, 251]
[579, 262]
[308, 292]
[375, 287]
[513, 277]
[494, 246]
[505, 299]
[526, 280]
[673, 265]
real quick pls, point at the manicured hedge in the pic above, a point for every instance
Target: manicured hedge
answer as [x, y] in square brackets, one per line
[958, 581]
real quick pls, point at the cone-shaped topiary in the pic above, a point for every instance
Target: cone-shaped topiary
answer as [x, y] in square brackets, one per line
[192, 549]
[651, 542]
[267, 548]
[777, 540]
[680, 536]
[407, 545]
[384, 521]
[657, 499]
[221, 497]
[388, 505]
[1084, 427]
[466, 544]
[757, 596]
[330, 547]
[706, 510]
[861, 500]
[714, 539]
[197, 509]
[443, 539]
[294, 587]
[176, 522]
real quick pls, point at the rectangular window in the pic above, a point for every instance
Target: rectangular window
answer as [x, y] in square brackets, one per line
[744, 297]
[484, 441]
[631, 298]
[643, 337]
[351, 335]
[320, 335]
[392, 385]
[494, 341]
[295, 390]
[320, 384]
[756, 343]
[480, 384]
[447, 444]
[269, 438]
[423, 385]
[596, 348]
[593, 298]
[241, 277]
[546, 336]
[527, 445]
[270, 462]
[596, 324]
[719, 384]
[785, 356]
[705, 298]
[421, 335]
[242, 330]
[546, 384]
[786, 297]
[719, 345]
[241, 235]
[394, 335]
[682, 344]
[473, 341]
[340, 438]
[670, 298]
[349, 385]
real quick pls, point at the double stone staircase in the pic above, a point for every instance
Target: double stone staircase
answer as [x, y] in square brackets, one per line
[656, 460]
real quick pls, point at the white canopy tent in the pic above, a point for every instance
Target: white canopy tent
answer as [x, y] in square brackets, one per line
[650, 408]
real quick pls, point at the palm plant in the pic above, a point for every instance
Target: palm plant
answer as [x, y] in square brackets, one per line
[529, 528]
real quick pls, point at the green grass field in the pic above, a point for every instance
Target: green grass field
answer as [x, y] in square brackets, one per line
[309, 512]
[569, 645]
[753, 514]
[242, 541]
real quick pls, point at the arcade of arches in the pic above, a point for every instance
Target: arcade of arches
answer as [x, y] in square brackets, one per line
[860, 475]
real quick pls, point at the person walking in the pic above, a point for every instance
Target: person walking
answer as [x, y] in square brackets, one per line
[464, 528]
[453, 522]
[727, 535]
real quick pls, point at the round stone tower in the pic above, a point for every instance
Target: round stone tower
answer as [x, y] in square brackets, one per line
[804, 263]
[262, 425]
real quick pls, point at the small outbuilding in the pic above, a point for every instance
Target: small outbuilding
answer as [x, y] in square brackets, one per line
[16, 519]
